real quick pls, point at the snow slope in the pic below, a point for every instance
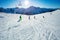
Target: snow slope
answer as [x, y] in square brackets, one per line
[47, 28]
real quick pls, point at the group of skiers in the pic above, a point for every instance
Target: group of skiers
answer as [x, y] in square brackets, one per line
[20, 18]
[29, 17]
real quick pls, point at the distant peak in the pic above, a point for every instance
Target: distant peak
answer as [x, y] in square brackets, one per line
[32, 7]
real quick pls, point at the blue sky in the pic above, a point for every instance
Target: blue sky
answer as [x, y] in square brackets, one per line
[38, 3]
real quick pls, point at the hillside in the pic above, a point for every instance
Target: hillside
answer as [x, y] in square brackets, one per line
[47, 28]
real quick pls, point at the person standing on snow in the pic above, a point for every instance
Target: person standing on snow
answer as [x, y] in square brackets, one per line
[43, 17]
[20, 18]
[29, 17]
[34, 17]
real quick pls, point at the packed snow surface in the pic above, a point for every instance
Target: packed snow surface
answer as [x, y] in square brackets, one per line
[45, 26]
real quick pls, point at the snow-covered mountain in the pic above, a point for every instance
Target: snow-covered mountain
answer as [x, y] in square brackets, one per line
[28, 11]
[45, 26]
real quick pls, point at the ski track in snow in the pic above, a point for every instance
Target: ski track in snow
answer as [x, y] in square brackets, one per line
[47, 28]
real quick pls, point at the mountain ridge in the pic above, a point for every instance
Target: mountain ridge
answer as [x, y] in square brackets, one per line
[28, 11]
